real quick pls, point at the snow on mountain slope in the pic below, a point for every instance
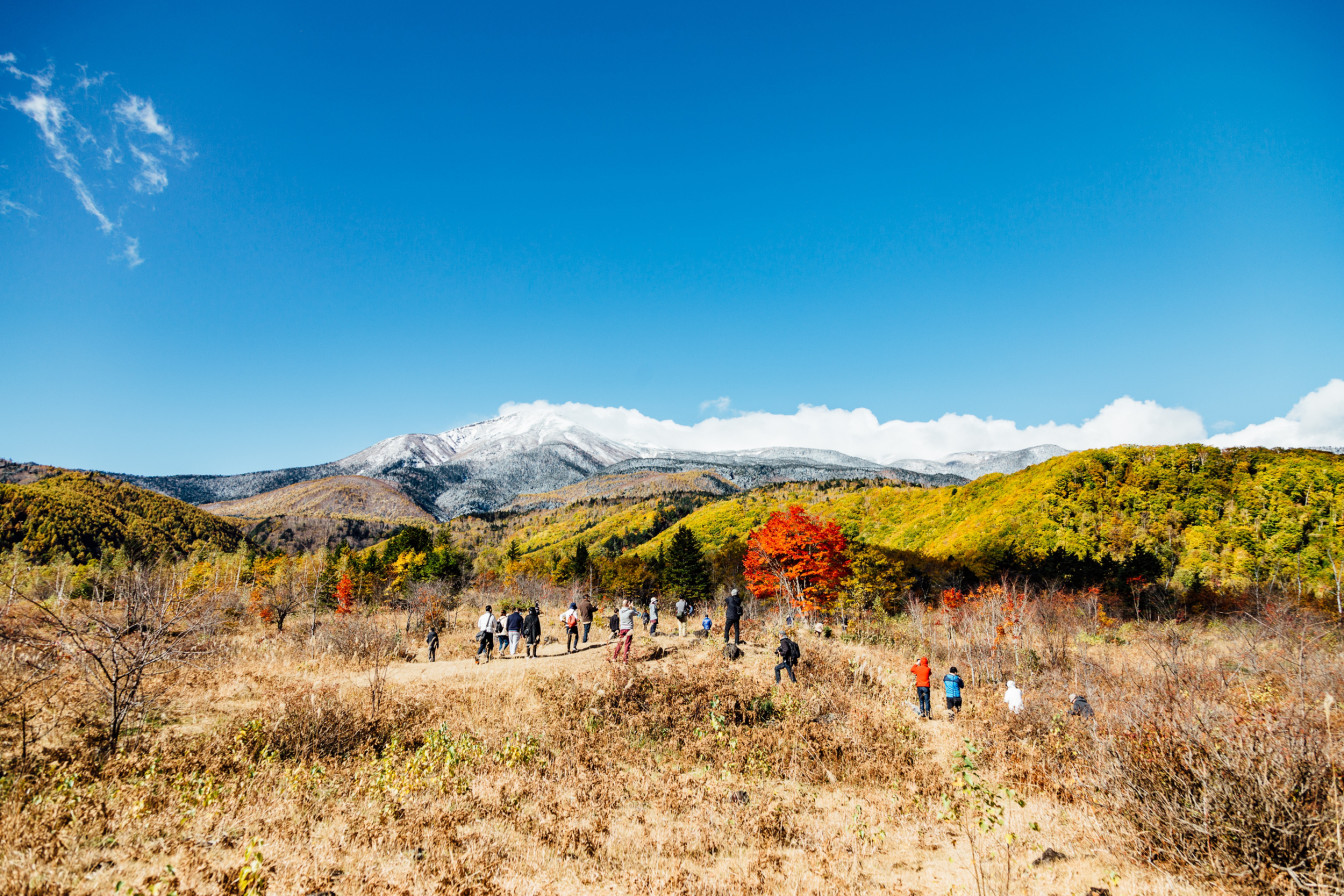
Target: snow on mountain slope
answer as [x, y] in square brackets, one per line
[484, 466]
[974, 464]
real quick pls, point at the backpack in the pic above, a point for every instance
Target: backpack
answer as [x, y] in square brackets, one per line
[791, 652]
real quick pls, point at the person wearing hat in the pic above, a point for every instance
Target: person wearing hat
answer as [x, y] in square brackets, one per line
[1013, 697]
[789, 654]
[732, 617]
[570, 620]
[1078, 706]
[952, 685]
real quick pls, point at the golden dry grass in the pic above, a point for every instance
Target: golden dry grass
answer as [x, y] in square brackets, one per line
[686, 774]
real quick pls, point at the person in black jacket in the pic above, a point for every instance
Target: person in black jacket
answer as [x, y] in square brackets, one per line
[789, 653]
[532, 631]
[1080, 707]
[432, 639]
[732, 617]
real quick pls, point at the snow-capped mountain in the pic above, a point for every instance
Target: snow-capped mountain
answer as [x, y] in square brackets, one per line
[974, 464]
[484, 466]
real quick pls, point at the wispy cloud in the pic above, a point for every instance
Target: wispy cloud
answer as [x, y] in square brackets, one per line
[720, 404]
[1317, 420]
[8, 206]
[76, 126]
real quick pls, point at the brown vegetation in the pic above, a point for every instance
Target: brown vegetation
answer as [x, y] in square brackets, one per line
[319, 759]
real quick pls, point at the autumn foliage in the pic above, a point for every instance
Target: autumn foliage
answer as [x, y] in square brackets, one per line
[345, 599]
[797, 559]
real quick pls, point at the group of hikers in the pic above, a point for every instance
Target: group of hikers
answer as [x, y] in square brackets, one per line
[577, 620]
[952, 687]
[509, 629]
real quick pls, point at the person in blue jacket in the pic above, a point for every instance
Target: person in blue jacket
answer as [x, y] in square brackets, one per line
[952, 685]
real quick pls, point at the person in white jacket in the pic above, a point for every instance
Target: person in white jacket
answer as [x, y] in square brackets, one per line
[485, 634]
[1013, 697]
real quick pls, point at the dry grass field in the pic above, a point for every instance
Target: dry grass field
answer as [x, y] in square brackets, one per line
[306, 762]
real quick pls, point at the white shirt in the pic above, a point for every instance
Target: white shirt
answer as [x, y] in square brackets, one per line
[1013, 697]
[486, 623]
[569, 614]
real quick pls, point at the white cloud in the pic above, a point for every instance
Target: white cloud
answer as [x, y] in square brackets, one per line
[138, 113]
[152, 177]
[75, 129]
[132, 252]
[720, 404]
[1317, 420]
[50, 115]
[8, 205]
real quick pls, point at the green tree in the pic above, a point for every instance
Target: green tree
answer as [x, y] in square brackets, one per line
[686, 572]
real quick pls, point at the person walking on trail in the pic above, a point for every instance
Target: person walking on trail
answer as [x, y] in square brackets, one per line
[921, 671]
[952, 685]
[585, 615]
[532, 631]
[614, 623]
[1078, 706]
[653, 615]
[485, 634]
[502, 635]
[514, 627]
[682, 610]
[732, 617]
[626, 623]
[706, 625]
[432, 641]
[789, 654]
[570, 620]
[1013, 697]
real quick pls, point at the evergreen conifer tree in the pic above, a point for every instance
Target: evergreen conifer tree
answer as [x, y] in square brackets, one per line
[686, 572]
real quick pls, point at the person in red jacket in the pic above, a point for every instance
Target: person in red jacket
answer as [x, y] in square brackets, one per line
[921, 672]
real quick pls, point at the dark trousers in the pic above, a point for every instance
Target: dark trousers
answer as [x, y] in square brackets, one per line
[734, 626]
[432, 649]
[787, 667]
[586, 626]
[486, 646]
[531, 647]
[924, 708]
[571, 639]
[653, 626]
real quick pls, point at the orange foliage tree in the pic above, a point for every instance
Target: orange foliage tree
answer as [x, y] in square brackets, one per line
[345, 595]
[798, 560]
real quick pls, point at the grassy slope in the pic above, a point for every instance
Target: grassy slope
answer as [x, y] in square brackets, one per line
[335, 497]
[88, 515]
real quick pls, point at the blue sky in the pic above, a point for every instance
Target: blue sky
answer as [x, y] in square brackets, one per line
[359, 222]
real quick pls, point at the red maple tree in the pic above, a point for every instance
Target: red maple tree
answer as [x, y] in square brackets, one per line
[345, 601]
[797, 559]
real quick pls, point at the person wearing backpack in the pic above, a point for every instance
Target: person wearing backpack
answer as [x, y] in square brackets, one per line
[501, 634]
[485, 634]
[432, 640]
[952, 685]
[532, 631]
[570, 620]
[732, 617]
[682, 610]
[790, 655]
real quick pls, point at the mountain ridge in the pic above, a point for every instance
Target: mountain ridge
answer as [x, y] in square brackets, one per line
[484, 466]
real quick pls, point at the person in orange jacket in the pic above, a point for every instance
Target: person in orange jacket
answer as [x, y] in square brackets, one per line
[921, 671]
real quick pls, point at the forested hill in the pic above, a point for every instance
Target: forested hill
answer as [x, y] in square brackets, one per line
[1234, 516]
[46, 512]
